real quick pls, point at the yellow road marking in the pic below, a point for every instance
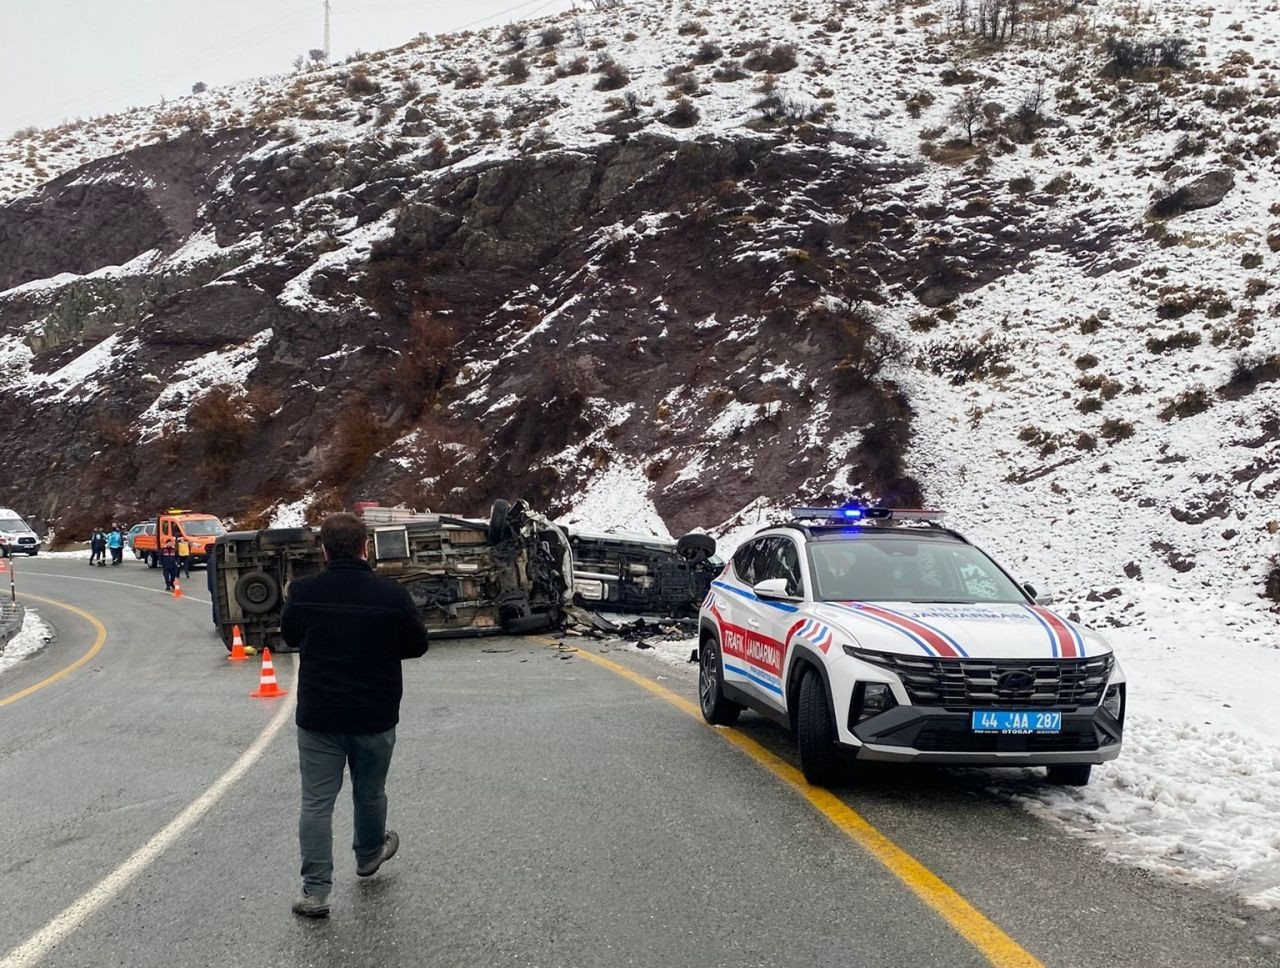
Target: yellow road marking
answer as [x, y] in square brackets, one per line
[996, 946]
[65, 670]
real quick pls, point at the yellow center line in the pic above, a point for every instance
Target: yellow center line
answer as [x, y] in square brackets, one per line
[996, 946]
[94, 649]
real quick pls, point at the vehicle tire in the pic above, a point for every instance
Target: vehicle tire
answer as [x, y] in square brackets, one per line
[816, 732]
[499, 530]
[1070, 774]
[152, 559]
[716, 709]
[257, 592]
[696, 547]
[524, 624]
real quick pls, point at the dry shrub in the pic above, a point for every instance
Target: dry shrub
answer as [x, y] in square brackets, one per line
[708, 52]
[1271, 583]
[470, 75]
[777, 59]
[683, 115]
[516, 70]
[1186, 404]
[1248, 373]
[424, 366]
[1184, 339]
[358, 435]
[612, 75]
[578, 65]
[360, 84]
[219, 424]
[550, 36]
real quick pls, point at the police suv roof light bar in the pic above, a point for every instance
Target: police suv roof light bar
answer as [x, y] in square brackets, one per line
[856, 513]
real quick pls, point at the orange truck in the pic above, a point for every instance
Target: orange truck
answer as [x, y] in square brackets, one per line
[199, 531]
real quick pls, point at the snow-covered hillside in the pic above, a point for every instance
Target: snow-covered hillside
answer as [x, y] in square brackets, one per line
[681, 266]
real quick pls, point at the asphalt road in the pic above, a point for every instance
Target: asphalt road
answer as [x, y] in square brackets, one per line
[552, 813]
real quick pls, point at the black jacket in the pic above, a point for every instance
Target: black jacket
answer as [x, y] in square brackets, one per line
[351, 629]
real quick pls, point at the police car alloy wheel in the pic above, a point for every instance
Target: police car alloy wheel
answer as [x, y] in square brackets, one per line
[716, 709]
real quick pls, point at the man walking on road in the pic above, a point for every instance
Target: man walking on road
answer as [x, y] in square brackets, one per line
[115, 541]
[351, 629]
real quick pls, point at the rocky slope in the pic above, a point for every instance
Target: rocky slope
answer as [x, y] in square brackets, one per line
[720, 258]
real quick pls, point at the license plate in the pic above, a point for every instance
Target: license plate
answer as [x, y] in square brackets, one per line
[1016, 722]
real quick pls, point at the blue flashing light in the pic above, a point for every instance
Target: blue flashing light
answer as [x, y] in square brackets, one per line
[852, 512]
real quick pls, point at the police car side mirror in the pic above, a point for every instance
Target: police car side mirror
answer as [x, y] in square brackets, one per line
[1040, 598]
[773, 588]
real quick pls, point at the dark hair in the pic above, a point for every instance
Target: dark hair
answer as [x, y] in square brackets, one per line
[343, 536]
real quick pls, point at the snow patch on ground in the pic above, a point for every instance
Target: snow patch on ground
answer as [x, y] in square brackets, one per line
[35, 634]
[292, 514]
[617, 499]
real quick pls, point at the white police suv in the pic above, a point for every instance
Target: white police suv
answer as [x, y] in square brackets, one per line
[879, 633]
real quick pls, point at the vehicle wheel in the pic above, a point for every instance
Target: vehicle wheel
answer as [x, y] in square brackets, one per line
[524, 624]
[257, 592]
[1070, 774]
[716, 709]
[32, 554]
[153, 560]
[499, 530]
[816, 732]
[696, 547]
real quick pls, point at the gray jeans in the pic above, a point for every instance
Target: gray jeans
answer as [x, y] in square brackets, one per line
[321, 759]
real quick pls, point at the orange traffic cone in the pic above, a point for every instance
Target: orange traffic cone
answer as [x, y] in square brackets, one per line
[267, 688]
[237, 645]
[177, 588]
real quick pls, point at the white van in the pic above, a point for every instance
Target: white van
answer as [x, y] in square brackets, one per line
[15, 536]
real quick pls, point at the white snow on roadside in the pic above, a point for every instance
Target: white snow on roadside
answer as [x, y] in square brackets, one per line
[673, 652]
[291, 514]
[617, 499]
[35, 634]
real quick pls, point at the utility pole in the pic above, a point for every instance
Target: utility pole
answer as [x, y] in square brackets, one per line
[326, 33]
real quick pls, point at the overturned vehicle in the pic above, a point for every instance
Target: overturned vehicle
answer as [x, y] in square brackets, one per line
[515, 573]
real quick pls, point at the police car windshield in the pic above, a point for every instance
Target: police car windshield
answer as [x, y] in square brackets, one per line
[203, 527]
[12, 524]
[869, 568]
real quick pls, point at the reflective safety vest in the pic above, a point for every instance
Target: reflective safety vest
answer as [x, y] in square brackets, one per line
[184, 549]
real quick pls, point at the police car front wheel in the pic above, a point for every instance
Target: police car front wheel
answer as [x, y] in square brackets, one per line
[816, 732]
[716, 709]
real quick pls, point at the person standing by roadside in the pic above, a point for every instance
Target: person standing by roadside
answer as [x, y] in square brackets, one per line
[115, 541]
[184, 556]
[102, 547]
[351, 629]
[96, 545]
[169, 564]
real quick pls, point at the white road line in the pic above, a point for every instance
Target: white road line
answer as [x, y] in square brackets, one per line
[43, 941]
[108, 581]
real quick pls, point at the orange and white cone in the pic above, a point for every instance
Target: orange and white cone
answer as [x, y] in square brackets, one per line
[237, 645]
[177, 588]
[267, 688]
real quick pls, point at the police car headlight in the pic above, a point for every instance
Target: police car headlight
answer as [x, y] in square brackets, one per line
[873, 698]
[1113, 702]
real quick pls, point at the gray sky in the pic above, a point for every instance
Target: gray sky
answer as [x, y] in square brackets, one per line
[62, 59]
